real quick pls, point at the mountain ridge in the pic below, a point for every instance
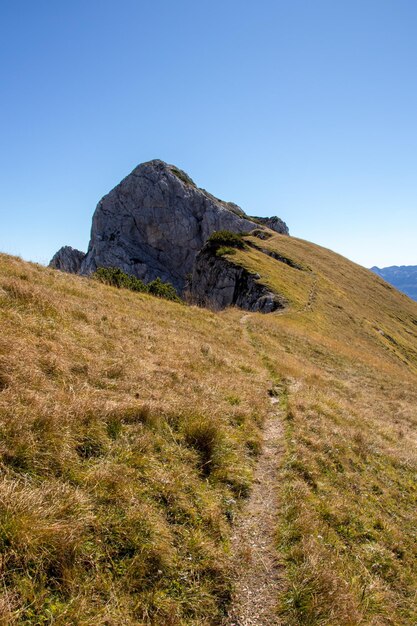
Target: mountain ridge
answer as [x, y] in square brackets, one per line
[403, 277]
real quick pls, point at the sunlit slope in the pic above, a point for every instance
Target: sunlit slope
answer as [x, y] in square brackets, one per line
[345, 354]
[129, 426]
[128, 429]
[335, 297]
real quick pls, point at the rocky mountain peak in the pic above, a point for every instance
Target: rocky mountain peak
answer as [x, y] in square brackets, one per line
[156, 220]
[161, 167]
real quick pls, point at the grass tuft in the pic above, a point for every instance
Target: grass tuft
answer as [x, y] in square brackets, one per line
[205, 437]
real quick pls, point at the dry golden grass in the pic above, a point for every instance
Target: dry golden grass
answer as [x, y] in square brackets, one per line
[347, 358]
[129, 427]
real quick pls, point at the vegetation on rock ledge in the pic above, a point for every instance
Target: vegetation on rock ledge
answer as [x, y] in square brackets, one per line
[225, 238]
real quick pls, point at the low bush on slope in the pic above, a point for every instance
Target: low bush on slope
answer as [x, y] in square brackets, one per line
[116, 278]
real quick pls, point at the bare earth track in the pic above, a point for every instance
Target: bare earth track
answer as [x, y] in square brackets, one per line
[258, 583]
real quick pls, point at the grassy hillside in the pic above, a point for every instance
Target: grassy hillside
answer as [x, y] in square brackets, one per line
[346, 355]
[130, 426]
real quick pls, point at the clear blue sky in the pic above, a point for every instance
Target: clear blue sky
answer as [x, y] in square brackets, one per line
[302, 108]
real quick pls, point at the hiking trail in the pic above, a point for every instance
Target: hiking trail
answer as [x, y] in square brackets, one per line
[253, 541]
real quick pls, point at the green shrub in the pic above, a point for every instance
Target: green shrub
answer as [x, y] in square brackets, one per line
[115, 277]
[162, 290]
[225, 238]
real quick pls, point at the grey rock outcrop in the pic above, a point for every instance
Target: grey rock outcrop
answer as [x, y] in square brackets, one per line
[217, 283]
[155, 222]
[67, 259]
[274, 223]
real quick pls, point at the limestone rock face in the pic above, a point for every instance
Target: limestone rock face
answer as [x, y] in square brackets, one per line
[155, 222]
[217, 283]
[274, 223]
[67, 259]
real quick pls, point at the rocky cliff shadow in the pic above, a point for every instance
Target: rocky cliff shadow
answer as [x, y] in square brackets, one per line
[216, 283]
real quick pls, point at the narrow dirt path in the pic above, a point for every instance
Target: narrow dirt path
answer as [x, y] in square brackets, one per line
[312, 295]
[253, 541]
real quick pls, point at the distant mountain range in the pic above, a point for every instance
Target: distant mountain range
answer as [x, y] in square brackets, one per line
[403, 277]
